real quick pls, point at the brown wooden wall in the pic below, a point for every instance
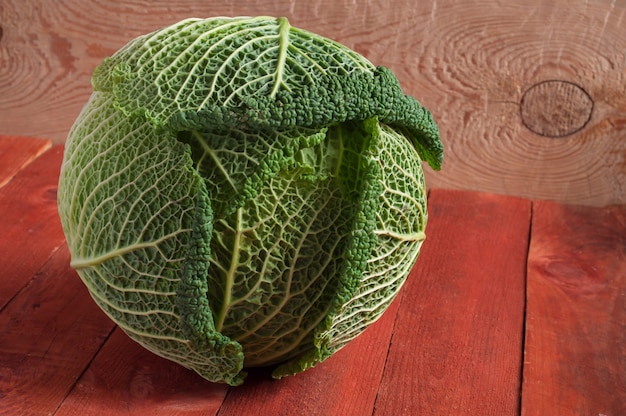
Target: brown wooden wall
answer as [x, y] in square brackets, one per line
[530, 96]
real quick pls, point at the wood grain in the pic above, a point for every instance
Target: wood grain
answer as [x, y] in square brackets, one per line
[49, 50]
[478, 62]
[575, 350]
[29, 223]
[469, 62]
[344, 385]
[456, 346]
[49, 334]
[125, 378]
[17, 152]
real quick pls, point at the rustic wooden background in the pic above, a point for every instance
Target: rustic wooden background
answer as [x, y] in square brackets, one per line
[530, 96]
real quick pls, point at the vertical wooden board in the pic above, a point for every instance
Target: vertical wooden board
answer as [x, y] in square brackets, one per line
[48, 335]
[345, 384]
[575, 349]
[29, 223]
[17, 152]
[476, 67]
[457, 342]
[469, 62]
[125, 378]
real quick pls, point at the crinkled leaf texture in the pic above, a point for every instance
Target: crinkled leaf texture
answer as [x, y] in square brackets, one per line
[238, 192]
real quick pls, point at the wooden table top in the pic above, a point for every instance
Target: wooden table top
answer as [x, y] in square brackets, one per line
[514, 307]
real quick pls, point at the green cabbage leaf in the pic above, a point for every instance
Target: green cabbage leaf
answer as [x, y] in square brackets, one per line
[238, 193]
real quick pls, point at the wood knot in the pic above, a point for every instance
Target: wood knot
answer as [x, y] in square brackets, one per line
[556, 108]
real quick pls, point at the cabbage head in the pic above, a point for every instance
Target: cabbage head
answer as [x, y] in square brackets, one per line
[240, 193]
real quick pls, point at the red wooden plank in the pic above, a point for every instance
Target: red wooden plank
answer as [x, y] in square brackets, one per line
[345, 384]
[48, 335]
[575, 350]
[125, 378]
[16, 152]
[29, 223]
[457, 343]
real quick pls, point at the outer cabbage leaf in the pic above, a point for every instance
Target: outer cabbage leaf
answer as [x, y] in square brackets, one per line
[137, 221]
[384, 245]
[259, 72]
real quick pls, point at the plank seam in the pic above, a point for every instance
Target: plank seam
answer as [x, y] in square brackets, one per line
[524, 332]
[32, 278]
[400, 300]
[220, 410]
[84, 370]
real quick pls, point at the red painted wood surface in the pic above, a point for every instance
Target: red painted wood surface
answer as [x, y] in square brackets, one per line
[49, 334]
[575, 360]
[16, 152]
[457, 345]
[125, 378]
[29, 229]
[452, 343]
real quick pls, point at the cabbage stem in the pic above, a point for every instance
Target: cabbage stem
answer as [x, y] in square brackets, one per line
[417, 236]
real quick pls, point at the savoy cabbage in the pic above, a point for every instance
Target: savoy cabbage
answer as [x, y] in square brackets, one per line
[238, 192]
